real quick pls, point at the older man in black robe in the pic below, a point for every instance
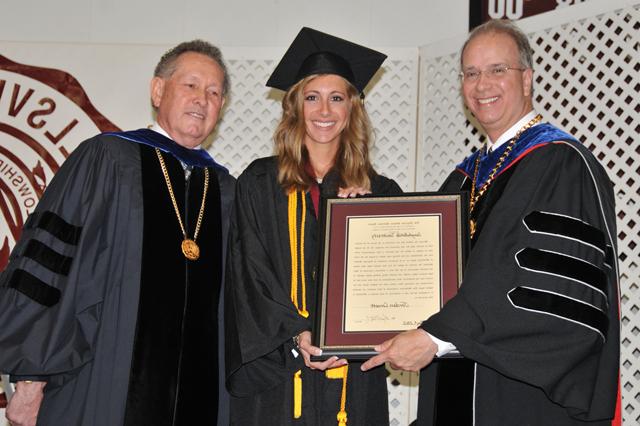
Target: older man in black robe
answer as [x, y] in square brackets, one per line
[109, 303]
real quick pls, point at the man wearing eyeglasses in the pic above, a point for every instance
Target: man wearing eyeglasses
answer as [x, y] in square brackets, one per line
[536, 316]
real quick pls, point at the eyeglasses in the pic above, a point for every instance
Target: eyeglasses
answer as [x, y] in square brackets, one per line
[494, 72]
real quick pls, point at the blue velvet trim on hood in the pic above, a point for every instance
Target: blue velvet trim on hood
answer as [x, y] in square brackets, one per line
[532, 138]
[192, 157]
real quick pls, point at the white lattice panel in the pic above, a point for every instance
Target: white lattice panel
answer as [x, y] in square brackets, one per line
[403, 396]
[391, 104]
[587, 82]
[250, 116]
[446, 133]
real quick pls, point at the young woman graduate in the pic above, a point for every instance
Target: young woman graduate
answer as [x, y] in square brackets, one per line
[322, 147]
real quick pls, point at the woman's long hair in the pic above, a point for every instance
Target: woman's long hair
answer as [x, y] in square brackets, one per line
[352, 159]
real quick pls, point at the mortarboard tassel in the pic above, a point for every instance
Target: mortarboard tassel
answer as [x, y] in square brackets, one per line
[340, 373]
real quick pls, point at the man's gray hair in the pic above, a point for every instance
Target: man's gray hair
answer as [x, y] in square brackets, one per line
[504, 26]
[167, 65]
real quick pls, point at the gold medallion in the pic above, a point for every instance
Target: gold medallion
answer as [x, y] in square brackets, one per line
[190, 249]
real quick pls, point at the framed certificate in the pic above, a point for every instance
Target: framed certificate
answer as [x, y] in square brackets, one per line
[386, 264]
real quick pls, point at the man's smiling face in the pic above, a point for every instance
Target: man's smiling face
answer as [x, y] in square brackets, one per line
[188, 102]
[498, 102]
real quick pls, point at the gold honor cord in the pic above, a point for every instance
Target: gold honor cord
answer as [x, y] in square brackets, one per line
[190, 249]
[297, 262]
[475, 195]
[297, 258]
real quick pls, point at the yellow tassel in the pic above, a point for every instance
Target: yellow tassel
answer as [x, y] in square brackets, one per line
[340, 373]
[297, 394]
[335, 373]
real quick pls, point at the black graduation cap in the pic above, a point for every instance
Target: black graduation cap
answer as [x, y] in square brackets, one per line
[315, 52]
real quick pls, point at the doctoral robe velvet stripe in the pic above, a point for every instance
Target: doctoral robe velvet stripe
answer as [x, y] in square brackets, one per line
[175, 358]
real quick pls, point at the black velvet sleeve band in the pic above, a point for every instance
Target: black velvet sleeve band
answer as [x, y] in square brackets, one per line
[34, 288]
[563, 266]
[56, 226]
[48, 257]
[557, 305]
[565, 227]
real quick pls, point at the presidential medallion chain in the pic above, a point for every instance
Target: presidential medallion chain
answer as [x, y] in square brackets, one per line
[189, 247]
[476, 195]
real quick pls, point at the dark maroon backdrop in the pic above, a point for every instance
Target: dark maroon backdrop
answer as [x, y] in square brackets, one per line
[481, 11]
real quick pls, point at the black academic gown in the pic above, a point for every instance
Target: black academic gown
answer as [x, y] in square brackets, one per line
[98, 300]
[537, 310]
[261, 319]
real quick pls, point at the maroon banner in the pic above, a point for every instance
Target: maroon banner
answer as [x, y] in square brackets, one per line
[44, 114]
[484, 10]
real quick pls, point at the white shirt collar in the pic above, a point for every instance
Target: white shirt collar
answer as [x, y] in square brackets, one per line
[506, 136]
[156, 128]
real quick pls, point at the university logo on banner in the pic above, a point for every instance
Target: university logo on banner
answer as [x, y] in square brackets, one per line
[44, 115]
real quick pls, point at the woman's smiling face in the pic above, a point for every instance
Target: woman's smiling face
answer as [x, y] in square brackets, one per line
[326, 109]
